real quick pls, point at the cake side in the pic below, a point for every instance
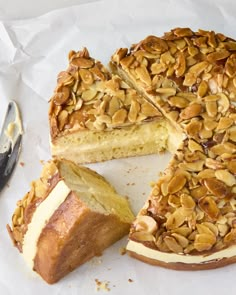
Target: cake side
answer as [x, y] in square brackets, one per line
[71, 204]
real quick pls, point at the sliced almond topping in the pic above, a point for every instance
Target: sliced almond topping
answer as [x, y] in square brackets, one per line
[211, 108]
[182, 241]
[114, 106]
[187, 201]
[206, 173]
[191, 111]
[230, 237]
[198, 68]
[216, 187]
[173, 245]
[179, 102]
[199, 192]
[176, 183]
[181, 65]
[204, 242]
[142, 236]
[194, 146]
[89, 94]
[158, 68]
[212, 227]
[149, 110]
[62, 95]
[83, 63]
[133, 111]
[174, 201]
[223, 103]
[194, 167]
[223, 229]
[226, 177]
[86, 76]
[203, 229]
[127, 61]
[202, 88]
[208, 206]
[143, 75]
[218, 55]
[62, 119]
[224, 123]
[183, 231]
[214, 164]
[119, 117]
[176, 219]
[232, 166]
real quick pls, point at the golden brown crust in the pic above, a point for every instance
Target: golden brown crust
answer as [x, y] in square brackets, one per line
[184, 266]
[80, 228]
[73, 235]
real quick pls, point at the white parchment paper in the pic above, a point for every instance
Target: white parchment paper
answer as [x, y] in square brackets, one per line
[32, 52]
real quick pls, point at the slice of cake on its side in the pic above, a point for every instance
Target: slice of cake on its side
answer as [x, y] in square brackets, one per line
[189, 220]
[95, 116]
[70, 215]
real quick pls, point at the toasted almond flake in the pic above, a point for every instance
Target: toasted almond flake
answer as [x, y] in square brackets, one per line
[176, 183]
[211, 108]
[194, 146]
[224, 123]
[119, 117]
[89, 94]
[203, 229]
[208, 206]
[143, 75]
[199, 192]
[191, 111]
[204, 242]
[182, 241]
[82, 62]
[195, 166]
[202, 89]
[173, 245]
[187, 201]
[218, 55]
[226, 177]
[179, 102]
[216, 187]
[176, 219]
[142, 236]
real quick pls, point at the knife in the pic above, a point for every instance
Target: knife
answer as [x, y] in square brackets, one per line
[10, 142]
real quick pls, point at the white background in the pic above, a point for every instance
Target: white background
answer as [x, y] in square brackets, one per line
[32, 51]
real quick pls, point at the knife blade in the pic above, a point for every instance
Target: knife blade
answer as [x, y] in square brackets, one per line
[10, 142]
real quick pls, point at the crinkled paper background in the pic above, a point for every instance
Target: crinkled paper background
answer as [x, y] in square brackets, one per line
[32, 52]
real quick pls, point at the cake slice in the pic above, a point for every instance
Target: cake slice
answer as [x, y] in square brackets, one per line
[70, 215]
[95, 116]
[188, 221]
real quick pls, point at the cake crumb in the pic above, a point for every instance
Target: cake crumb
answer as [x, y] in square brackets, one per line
[22, 164]
[96, 261]
[130, 280]
[122, 251]
[102, 285]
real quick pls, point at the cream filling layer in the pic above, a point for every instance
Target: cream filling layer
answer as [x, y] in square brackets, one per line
[140, 249]
[41, 216]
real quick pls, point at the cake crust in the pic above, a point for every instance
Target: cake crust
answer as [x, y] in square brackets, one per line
[184, 266]
[89, 217]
